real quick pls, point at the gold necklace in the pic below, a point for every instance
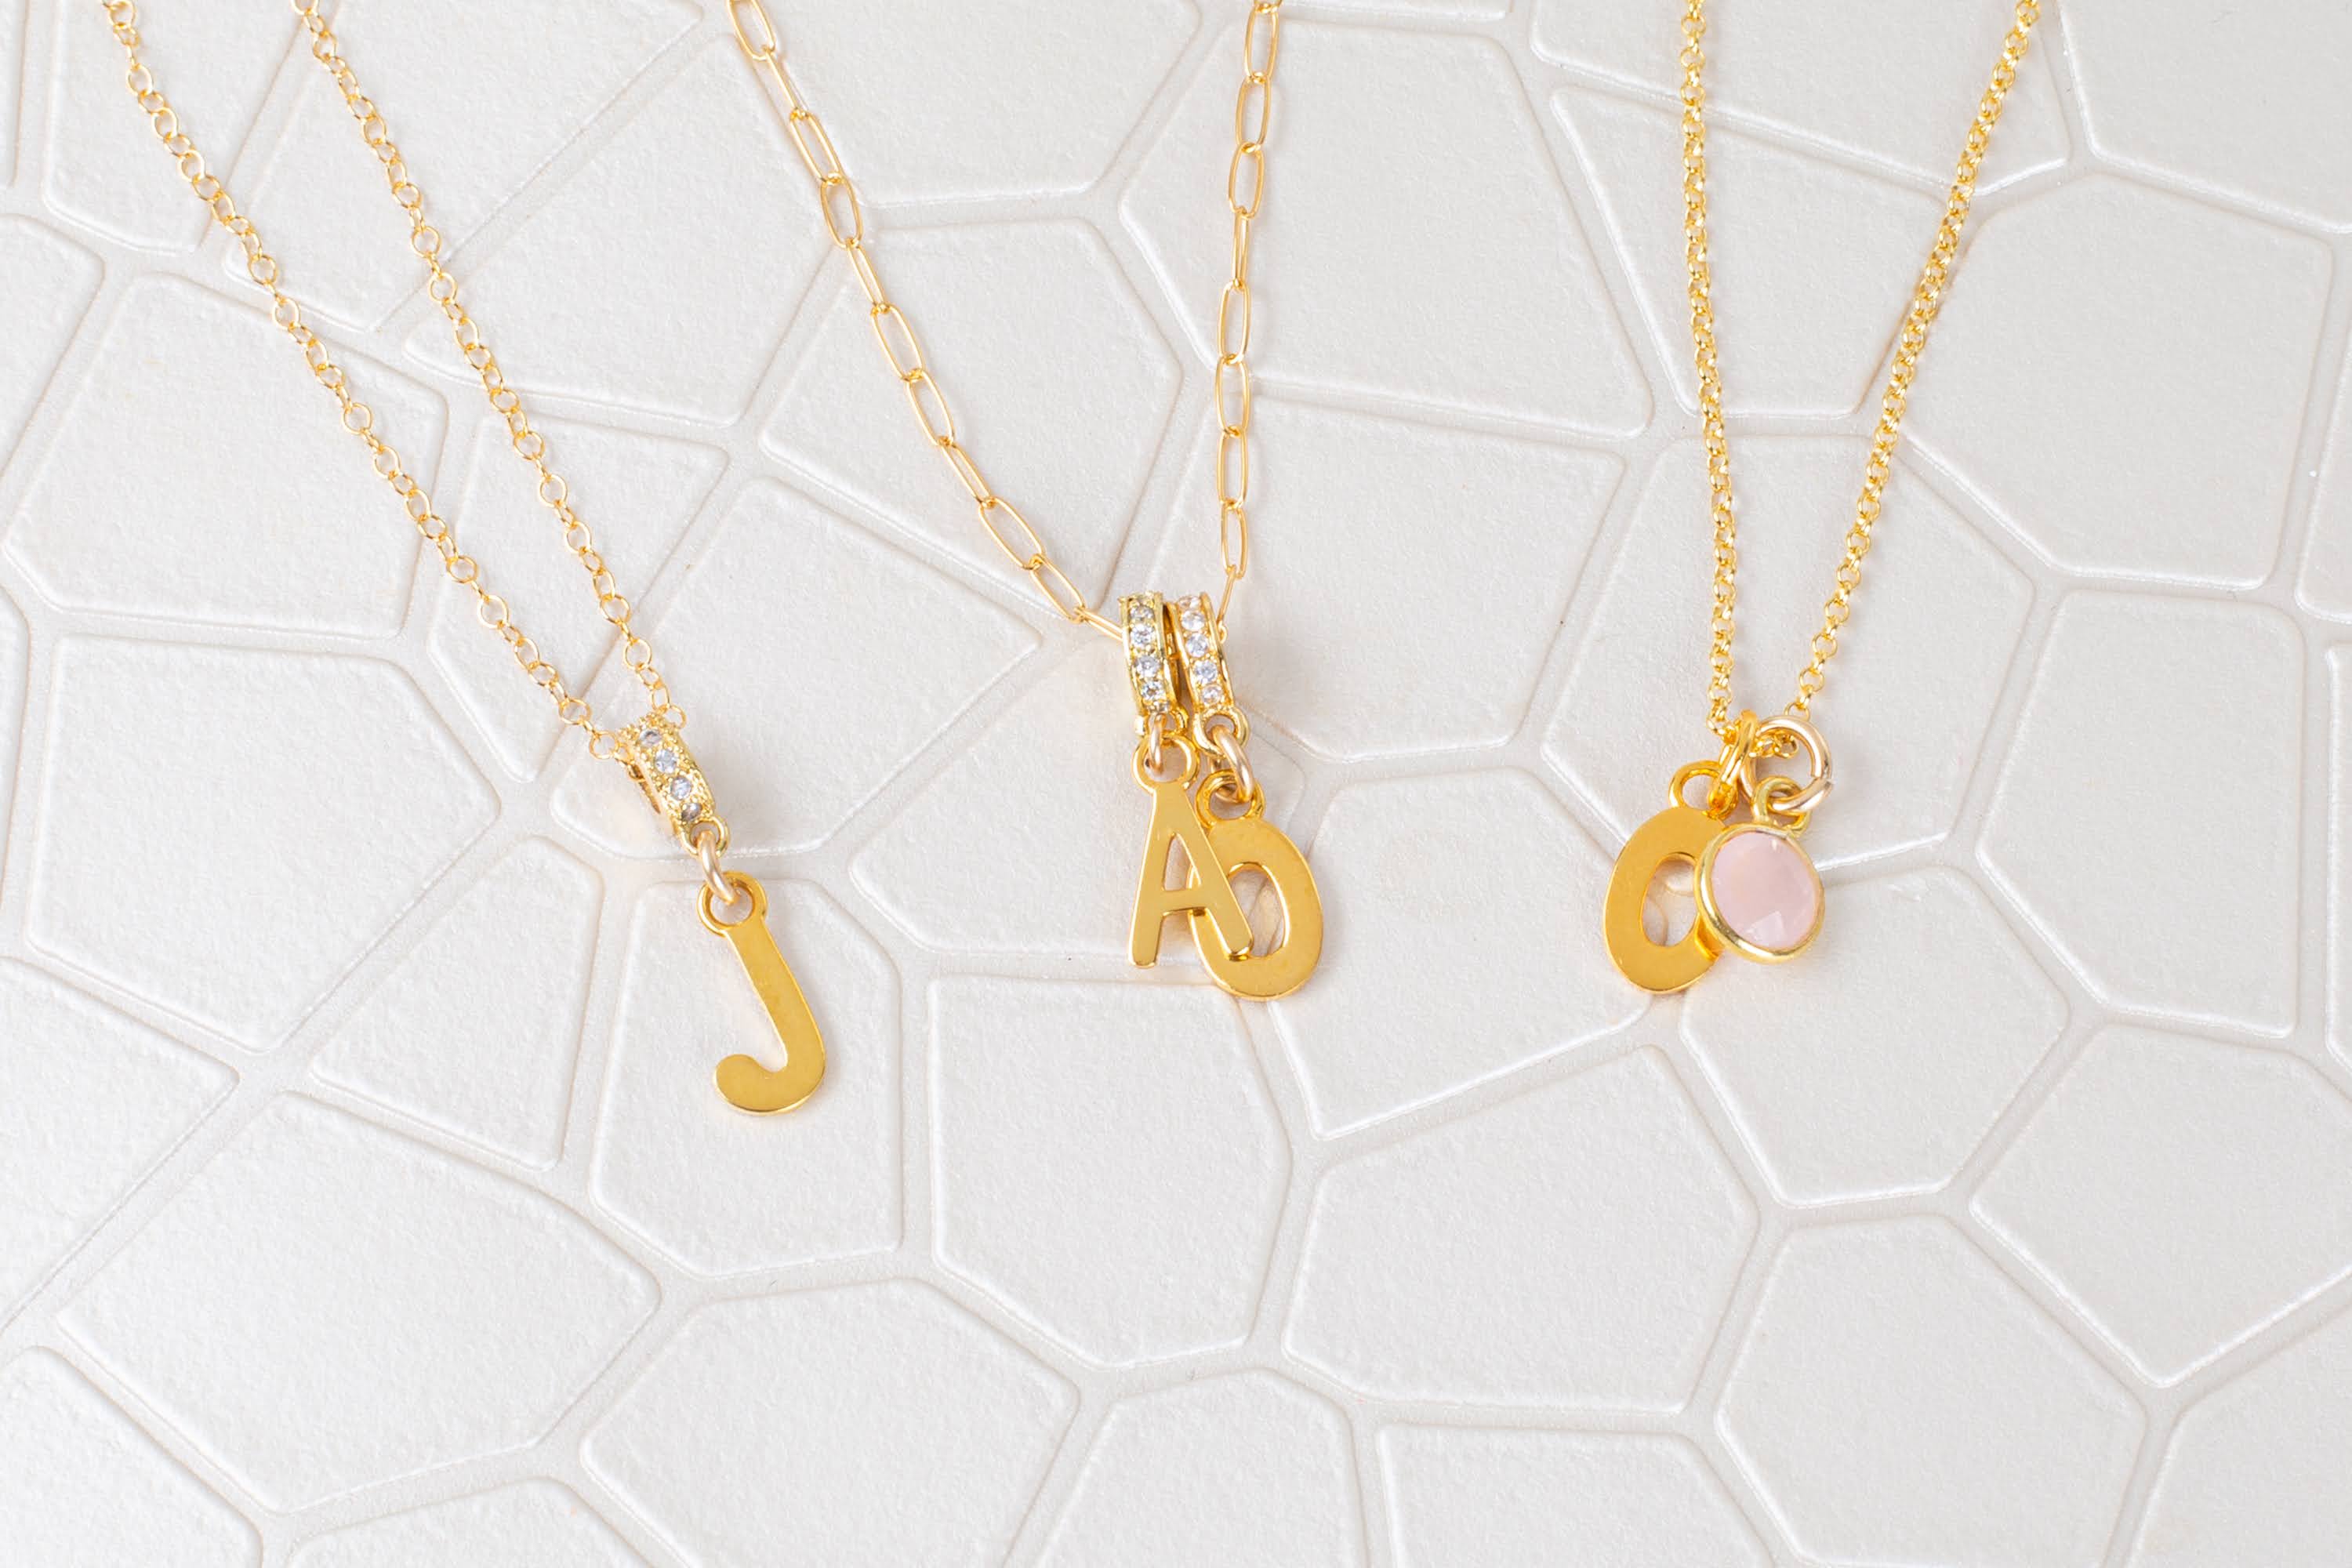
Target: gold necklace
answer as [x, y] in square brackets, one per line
[1756, 890]
[1185, 714]
[733, 905]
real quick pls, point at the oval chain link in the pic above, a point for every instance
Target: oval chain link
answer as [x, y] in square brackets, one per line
[1927, 299]
[261, 266]
[844, 220]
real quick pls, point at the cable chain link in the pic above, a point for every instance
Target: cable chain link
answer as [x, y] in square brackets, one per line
[491, 609]
[1927, 300]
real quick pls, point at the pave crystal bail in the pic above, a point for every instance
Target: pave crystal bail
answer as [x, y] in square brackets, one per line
[657, 759]
[1199, 641]
[1151, 664]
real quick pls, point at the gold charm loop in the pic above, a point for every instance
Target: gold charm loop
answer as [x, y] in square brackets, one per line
[1799, 798]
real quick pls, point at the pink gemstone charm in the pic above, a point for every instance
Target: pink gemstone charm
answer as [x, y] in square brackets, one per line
[1759, 893]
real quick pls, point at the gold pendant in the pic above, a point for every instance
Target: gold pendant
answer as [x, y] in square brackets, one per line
[656, 756]
[1756, 890]
[1184, 707]
[1215, 850]
[747, 1083]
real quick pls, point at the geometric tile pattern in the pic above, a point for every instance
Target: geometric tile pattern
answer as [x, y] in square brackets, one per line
[363, 1201]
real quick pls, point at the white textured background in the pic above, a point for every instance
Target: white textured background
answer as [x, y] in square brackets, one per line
[364, 1199]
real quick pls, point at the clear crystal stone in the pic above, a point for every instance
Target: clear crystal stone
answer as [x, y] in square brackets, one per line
[665, 760]
[1213, 694]
[1193, 619]
[1197, 644]
[1149, 666]
[652, 738]
[1204, 674]
[1143, 634]
[681, 788]
[690, 811]
[1154, 692]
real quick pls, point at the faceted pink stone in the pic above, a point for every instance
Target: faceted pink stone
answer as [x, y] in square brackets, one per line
[1765, 890]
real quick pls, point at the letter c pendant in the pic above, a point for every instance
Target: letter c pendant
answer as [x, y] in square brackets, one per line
[1756, 890]
[1677, 833]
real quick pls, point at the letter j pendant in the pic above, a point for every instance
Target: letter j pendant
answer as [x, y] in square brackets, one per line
[1755, 889]
[1186, 715]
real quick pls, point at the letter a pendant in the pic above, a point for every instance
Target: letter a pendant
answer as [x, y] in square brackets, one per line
[1177, 647]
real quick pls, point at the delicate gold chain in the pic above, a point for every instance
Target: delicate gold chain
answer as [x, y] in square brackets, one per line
[1252, 106]
[844, 220]
[1927, 299]
[358, 418]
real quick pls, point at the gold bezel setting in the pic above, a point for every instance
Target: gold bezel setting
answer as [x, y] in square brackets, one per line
[1711, 916]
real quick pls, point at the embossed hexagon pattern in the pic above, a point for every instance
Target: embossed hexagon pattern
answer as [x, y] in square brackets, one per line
[366, 1198]
[1812, 263]
[2236, 102]
[477, 1029]
[85, 1484]
[12, 49]
[1928, 646]
[14, 640]
[874, 1424]
[1571, 1500]
[1372, 210]
[2339, 842]
[532, 1524]
[1853, 1088]
[2067, 379]
[46, 283]
[93, 1101]
[636, 493]
[162, 498]
[1484, 962]
[2127, 687]
[2181, 1193]
[102, 167]
[1104, 1161]
[1481, 10]
[279, 1296]
[719, 1191]
[686, 331]
[2251, 1472]
[498, 95]
[1428, 656]
[1060, 384]
[1575, 1247]
[1895, 81]
[816, 659]
[1897, 1400]
[244, 780]
[1249, 1468]
[2326, 585]
[994, 98]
